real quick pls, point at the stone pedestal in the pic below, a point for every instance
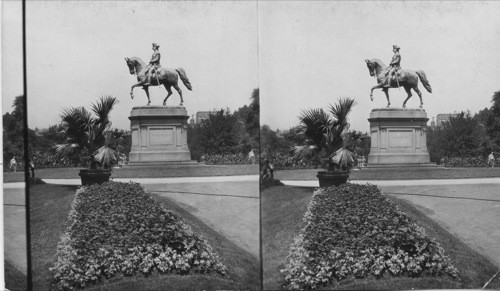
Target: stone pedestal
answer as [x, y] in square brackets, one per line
[398, 138]
[159, 136]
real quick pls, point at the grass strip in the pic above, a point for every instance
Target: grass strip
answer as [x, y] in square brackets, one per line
[398, 174]
[15, 280]
[143, 172]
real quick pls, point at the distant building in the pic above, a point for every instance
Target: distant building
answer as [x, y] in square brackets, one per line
[191, 121]
[202, 115]
[443, 117]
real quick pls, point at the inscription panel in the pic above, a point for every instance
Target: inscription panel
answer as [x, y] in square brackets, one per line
[161, 136]
[401, 138]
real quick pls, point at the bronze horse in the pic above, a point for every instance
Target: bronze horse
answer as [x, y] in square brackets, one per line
[408, 79]
[164, 76]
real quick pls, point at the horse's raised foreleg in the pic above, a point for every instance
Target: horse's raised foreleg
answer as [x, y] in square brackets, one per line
[373, 88]
[386, 91]
[132, 89]
[169, 90]
[419, 95]
[176, 87]
[408, 91]
[146, 89]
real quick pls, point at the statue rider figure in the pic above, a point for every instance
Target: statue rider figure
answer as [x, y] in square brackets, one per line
[394, 66]
[154, 64]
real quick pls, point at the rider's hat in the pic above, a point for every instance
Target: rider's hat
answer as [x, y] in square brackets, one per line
[396, 47]
[155, 45]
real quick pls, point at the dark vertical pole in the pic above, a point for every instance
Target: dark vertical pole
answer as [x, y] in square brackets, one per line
[26, 154]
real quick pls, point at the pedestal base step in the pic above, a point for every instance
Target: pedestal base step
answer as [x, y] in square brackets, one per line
[403, 166]
[166, 163]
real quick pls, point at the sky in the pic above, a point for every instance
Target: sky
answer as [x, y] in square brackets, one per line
[301, 54]
[75, 54]
[313, 53]
[12, 53]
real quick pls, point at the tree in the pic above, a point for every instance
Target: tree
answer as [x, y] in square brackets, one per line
[491, 121]
[359, 142]
[293, 136]
[227, 133]
[218, 134]
[89, 136]
[461, 136]
[271, 143]
[249, 119]
[13, 131]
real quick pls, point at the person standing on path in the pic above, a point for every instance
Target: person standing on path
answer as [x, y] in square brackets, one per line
[251, 157]
[13, 164]
[491, 160]
[267, 171]
[31, 166]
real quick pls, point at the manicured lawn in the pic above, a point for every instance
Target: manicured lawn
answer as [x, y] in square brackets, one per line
[282, 212]
[282, 209]
[143, 172]
[50, 205]
[397, 174]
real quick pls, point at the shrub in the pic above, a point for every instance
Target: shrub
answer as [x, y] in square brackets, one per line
[118, 228]
[354, 231]
[224, 159]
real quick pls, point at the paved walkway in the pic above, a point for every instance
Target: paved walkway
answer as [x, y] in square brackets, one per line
[470, 212]
[231, 208]
[15, 227]
[468, 208]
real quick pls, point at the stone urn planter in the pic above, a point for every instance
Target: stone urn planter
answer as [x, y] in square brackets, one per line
[94, 176]
[332, 178]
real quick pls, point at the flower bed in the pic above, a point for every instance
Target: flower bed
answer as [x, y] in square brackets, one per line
[118, 229]
[353, 231]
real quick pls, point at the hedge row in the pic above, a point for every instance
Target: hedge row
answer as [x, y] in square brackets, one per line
[287, 162]
[226, 159]
[354, 231]
[119, 229]
[465, 162]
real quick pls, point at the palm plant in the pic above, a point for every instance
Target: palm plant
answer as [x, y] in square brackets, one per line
[326, 136]
[89, 136]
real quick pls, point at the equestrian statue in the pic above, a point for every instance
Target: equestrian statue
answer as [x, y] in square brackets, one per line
[394, 77]
[155, 75]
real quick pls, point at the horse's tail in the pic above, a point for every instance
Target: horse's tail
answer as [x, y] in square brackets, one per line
[424, 81]
[184, 78]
